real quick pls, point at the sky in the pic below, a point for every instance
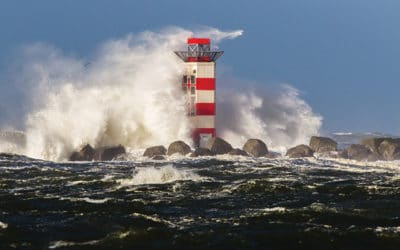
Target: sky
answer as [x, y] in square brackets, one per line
[342, 55]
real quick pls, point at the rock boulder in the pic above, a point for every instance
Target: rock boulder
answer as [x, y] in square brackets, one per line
[178, 147]
[373, 143]
[108, 153]
[85, 154]
[273, 155]
[322, 144]
[158, 157]
[389, 149]
[156, 150]
[255, 147]
[201, 152]
[219, 146]
[300, 151]
[361, 153]
[238, 151]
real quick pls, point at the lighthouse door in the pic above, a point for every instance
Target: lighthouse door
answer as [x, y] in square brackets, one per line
[204, 140]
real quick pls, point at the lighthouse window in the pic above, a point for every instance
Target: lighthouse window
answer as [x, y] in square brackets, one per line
[194, 71]
[192, 79]
[192, 90]
[185, 78]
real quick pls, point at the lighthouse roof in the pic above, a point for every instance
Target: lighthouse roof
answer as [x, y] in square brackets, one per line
[194, 40]
[199, 50]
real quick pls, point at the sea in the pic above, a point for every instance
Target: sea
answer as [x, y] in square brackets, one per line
[221, 202]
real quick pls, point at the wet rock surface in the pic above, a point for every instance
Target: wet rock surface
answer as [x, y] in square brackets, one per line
[218, 146]
[108, 153]
[178, 147]
[155, 150]
[273, 155]
[389, 149]
[361, 153]
[322, 144]
[237, 151]
[300, 151]
[255, 147]
[158, 157]
[201, 152]
[373, 143]
[370, 149]
[85, 154]
[88, 153]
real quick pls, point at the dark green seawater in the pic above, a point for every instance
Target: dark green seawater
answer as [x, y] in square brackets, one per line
[208, 203]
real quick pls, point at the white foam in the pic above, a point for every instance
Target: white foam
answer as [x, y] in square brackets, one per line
[274, 209]
[3, 225]
[86, 199]
[61, 243]
[95, 201]
[387, 229]
[358, 166]
[159, 175]
[155, 218]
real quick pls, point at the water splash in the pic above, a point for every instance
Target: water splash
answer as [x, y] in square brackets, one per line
[128, 94]
[276, 115]
[159, 175]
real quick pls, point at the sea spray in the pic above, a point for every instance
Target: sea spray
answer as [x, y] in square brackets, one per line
[128, 93]
[276, 115]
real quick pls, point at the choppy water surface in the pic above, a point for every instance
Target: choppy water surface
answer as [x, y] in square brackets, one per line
[233, 203]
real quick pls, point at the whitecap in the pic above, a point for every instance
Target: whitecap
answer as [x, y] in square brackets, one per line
[159, 175]
[387, 229]
[274, 209]
[61, 243]
[95, 201]
[3, 225]
[155, 219]
[74, 183]
[87, 199]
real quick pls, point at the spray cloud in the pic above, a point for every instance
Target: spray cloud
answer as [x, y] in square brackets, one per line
[129, 95]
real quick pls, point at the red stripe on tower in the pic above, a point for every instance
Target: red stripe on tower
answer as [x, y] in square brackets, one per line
[205, 108]
[198, 41]
[205, 84]
[199, 59]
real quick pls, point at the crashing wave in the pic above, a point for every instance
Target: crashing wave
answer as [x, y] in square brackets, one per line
[129, 95]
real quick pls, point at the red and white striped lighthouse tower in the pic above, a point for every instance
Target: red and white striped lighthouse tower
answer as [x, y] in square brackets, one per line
[198, 83]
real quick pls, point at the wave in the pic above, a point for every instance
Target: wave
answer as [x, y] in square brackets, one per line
[277, 115]
[159, 175]
[128, 94]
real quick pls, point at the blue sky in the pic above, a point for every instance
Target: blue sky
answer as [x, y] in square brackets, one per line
[343, 55]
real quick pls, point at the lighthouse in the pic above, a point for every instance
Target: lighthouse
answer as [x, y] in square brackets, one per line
[198, 85]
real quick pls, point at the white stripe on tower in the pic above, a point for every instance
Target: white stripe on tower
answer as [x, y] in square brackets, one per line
[205, 96]
[206, 70]
[204, 121]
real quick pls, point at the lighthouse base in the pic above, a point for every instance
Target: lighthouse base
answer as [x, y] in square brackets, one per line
[201, 136]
